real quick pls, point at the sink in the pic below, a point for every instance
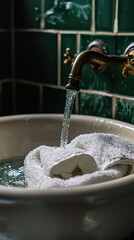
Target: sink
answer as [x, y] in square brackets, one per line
[102, 211]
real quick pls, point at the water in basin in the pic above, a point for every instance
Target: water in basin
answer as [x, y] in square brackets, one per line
[12, 172]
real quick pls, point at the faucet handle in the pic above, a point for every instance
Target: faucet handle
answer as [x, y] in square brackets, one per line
[70, 58]
[129, 67]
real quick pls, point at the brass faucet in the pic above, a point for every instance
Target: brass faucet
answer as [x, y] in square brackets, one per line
[97, 57]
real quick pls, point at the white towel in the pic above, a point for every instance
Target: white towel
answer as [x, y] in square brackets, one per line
[87, 159]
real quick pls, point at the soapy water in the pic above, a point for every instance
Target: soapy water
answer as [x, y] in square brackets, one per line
[12, 172]
[70, 97]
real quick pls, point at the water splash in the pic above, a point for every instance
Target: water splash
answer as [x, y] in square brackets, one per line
[70, 97]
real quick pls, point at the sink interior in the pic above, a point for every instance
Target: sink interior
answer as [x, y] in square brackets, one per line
[23, 133]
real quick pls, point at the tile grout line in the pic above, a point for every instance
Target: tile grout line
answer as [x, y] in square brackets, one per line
[115, 30]
[78, 42]
[6, 80]
[107, 94]
[113, 107]
[93, 17]
[74, 32]
[5, 30]
[59, 59]
[42, 21]
[13, 58]
[27, 82]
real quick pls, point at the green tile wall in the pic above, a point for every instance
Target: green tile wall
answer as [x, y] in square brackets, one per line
[126, 16]
[5, 55]
[68, 15]
[27, 98]
[27, 13]
[5, 14]
[104, 15]
[95, 105]
[53, 100]
[125, 110]
[5, 58]
[32, 55]
[36, 56]
[6, 98]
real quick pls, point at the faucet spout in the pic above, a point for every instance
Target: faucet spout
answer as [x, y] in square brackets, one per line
[89, 57]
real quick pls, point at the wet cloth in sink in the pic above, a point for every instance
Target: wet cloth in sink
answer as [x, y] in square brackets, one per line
[87, 159]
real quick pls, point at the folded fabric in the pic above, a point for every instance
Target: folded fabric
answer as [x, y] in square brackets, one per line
[87, 159]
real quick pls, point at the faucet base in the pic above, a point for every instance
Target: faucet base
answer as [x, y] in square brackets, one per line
[129, 49]
[97, 46]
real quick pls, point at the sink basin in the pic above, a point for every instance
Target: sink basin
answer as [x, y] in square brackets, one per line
[101, 211]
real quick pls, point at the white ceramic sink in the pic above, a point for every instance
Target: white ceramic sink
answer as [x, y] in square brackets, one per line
[101, 211]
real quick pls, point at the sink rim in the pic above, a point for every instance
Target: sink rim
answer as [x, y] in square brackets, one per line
[93, 189]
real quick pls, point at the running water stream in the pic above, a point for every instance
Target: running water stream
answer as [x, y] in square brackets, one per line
[70, 97]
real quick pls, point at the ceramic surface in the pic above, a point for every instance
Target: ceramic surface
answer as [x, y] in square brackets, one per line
[100, 212]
